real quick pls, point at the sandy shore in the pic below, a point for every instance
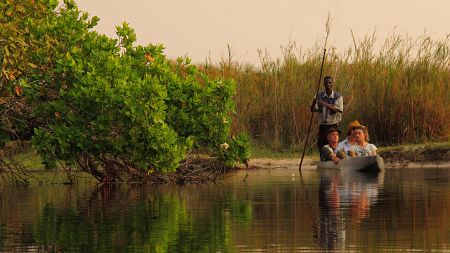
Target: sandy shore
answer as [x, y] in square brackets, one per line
[310, 164]
[400, 158]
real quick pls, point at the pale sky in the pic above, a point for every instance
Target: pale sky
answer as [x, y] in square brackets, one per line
[202, 28]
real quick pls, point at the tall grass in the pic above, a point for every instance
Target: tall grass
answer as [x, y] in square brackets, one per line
[401, 91]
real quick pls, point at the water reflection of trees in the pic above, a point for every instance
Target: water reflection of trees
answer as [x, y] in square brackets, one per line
[126, 219]
[267, 215]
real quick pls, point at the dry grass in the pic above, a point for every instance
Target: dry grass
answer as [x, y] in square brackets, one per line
[400, 92]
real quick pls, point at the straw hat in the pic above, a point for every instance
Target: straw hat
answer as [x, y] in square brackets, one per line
[352, 125]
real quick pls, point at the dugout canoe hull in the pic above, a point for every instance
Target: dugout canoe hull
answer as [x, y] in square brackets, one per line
[361, 163]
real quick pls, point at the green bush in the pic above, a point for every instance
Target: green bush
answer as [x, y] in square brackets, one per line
[107, 104]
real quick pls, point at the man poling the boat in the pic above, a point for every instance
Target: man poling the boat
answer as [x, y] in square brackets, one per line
[329, 105]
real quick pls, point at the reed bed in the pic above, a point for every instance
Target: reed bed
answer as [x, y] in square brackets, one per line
[399, 91]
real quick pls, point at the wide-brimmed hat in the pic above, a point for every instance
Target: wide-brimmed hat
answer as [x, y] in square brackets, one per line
[352, 125]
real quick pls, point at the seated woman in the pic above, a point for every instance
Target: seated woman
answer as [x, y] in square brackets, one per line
[348, 144]
[328, 152]
[363, 147]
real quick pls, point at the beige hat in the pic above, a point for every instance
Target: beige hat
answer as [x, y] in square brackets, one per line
[352, 125]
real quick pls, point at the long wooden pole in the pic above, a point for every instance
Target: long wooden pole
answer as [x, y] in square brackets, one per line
[312, 114]
[327, 29]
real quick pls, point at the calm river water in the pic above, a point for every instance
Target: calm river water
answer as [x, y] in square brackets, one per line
[274, 210]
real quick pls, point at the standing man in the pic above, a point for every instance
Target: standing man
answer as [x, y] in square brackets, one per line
[329, 106]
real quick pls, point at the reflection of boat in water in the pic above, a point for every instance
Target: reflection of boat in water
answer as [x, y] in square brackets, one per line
[345, 200]
[360, 163]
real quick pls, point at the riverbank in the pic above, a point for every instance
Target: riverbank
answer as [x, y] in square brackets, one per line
[404, 156]
[433, 155]
[421, 155]
[430, 153]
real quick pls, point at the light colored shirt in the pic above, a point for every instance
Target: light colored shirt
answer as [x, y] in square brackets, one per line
[346, 146]
[326, 116]
[365, 151]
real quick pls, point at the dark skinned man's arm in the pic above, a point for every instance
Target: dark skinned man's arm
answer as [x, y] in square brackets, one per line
[330, 107]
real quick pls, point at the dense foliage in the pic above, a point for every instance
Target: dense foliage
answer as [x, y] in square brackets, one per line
[106, 104]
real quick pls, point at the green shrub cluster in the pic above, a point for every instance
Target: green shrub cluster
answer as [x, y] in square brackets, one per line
[100, 102]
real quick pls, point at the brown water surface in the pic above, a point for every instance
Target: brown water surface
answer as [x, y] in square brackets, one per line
[274, 210]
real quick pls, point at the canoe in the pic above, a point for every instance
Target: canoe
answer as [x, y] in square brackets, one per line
[360, 163]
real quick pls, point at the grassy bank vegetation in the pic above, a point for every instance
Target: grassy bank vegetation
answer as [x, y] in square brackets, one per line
[260, 151]
[428, 145]
[399, 91]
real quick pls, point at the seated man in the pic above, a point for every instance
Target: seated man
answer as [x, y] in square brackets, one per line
[348, 145]
[328, 152]
[363, 147]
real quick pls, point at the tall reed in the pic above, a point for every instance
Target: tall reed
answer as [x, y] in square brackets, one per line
[401, 91]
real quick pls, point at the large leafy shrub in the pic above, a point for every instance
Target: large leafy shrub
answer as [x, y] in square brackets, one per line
[106, 104]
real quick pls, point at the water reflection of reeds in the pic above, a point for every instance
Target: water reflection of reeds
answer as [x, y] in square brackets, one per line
[271, 211]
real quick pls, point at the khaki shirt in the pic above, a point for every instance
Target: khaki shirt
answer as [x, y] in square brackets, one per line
[327, 151]
[327, 117]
